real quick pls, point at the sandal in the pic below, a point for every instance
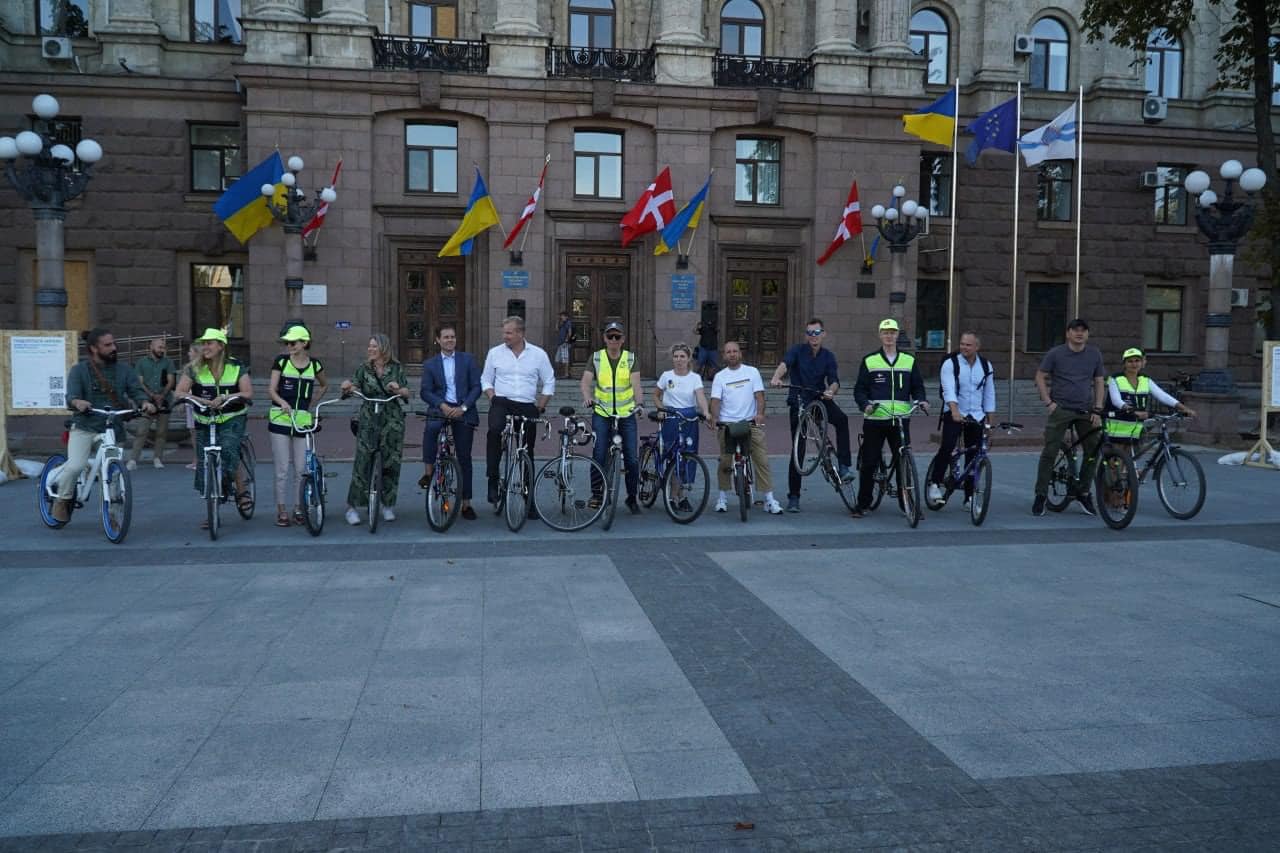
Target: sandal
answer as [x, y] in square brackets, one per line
[282, 519]
[299, 517]
[244, 502]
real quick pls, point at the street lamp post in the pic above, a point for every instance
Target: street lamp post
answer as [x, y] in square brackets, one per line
[899, 225]
[1224, 221]
[48, 180]
[294, 216]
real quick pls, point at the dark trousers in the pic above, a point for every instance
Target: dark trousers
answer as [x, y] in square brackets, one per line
[499, 408]
[874, 435]
[463, 435]
[1055, 430]
[840, 421]
[627, 428]
[951, 432]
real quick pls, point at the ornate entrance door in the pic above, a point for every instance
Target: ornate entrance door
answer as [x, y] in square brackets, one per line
[757, 315]
[430, 294]
[599, 291]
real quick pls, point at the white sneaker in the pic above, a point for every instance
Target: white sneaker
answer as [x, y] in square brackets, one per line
[935, 493]
[722, 505]
[131, 465]
[388, 514]
[353, 517]
[156, 463]
[772, 507]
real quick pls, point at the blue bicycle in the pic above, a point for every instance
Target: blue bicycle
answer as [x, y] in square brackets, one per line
[975, 475]
[312, 488]
[674, 470]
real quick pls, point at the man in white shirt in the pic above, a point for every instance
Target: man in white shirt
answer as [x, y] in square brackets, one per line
[969, 398]
[737, 396]
[518, 379]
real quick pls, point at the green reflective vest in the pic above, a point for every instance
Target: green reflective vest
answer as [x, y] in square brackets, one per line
[1126, 424]
[613, 387]
[890, 385]
[295, 388]
[204, 386]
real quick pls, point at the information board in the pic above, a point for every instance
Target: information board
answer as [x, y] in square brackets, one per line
[35, 367]
[1271, 374]
[512, 279]
[683, 286]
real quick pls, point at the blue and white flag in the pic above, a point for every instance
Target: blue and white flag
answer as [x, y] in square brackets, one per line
[1054, 141]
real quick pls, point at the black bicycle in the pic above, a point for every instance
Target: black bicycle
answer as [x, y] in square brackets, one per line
[1179, 478]
[976, 474]
[674, 470]
[899, 469]
[444, 491]
[1115, 482]
[813, 449]
[607, 492]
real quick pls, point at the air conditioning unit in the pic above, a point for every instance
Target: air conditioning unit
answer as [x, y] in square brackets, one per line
[1023, 44]
[56, 48]
[1239, 297]
[1150, 180]
[1155, 108]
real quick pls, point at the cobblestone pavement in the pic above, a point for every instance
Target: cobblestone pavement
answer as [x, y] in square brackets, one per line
[1030, 685]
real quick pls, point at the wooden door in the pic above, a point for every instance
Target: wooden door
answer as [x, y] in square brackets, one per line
[431, 294]
[757, 310]
[599, 291]
[75, 280]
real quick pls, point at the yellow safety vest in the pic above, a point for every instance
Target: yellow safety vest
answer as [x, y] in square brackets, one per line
[205, 387]
[294, 388]
[894, 378]
[614, 386]
[1126, 424]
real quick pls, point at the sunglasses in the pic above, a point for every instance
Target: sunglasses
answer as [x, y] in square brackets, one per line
[813, 333]
[613, 337]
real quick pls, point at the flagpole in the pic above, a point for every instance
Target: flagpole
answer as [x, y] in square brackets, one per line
[710, 175]
[955, 221]
[1013, 288]
[525, 238]
[1079, 190]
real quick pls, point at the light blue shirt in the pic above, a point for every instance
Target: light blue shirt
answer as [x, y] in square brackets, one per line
[450, 377]
[972, 401]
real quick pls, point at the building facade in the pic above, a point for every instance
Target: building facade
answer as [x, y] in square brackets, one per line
[783, 104]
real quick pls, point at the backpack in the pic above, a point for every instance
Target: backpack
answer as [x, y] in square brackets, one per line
[954, 360]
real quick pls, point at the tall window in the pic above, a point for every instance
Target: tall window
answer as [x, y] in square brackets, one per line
[1162, 328]
[215, 156]
[591, 23]
[935, 183]
[433, 19]
[741, 28]
[1171, 196]
[214, 21]
[930, 39]
[431, 158]
[597, 164]
[758, 176]
[1053, 191]
[1164, 64]
[931, 314]
[1046, 315]
[217, 298]
[1049, 54]
[63, 17]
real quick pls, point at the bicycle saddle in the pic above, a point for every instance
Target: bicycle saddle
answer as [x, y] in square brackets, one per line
[566, 411]
[656, 417]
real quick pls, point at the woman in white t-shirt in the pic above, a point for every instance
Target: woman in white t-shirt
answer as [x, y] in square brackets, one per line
[681, 389]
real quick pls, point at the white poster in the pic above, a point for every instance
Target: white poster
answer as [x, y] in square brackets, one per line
[1275, 377]
[315, 294]
[38, 372]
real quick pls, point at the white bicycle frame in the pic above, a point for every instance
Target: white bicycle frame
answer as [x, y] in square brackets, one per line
[107, 450]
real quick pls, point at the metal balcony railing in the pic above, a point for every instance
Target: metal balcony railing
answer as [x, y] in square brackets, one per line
[635, 66]
[392, 53]
[762, 72]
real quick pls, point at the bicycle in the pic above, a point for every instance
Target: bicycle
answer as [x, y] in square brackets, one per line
[515, 494]
[312, 488]
[738, 437]
[674, 469]
[216, 489]
[562, 490]
[444, 492]
[107, 468]
[375, 462]
[1115, 479]
[1178, 474]
[612, 480]
[900, 469]
[812, 448]
[978, 473]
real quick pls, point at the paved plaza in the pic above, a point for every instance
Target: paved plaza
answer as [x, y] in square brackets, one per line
[797, 682]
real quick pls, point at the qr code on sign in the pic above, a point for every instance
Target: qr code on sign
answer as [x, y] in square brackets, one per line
[57, 400]
[55, 383]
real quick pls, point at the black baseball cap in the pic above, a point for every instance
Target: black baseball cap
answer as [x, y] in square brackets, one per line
[1078, 323]
[612, 326]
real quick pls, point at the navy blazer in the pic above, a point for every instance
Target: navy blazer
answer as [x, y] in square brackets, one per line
[466, 381]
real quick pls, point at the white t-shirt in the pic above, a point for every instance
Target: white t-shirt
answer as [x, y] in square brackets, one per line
[678, 391]
[735, 389]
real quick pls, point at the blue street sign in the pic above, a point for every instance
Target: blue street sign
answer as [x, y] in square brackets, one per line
[342, 324]
[682, 292]
[515, 278]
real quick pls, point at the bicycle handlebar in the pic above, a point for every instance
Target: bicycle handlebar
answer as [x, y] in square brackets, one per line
[427, 416]
[664, 411]
[113, 413]
[546, 424]
[917, 406]
[315, 424]
[354, 393]
[201, 404]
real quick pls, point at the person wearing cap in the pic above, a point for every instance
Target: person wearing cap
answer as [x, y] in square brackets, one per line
[211, 378]
[1072, 402]
[297, 382]
[1131, 392]
[611, 388]
[888, 383]
[518, 379]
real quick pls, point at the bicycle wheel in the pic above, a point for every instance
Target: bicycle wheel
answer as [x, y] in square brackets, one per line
[117, 502]
[517, 505]
[562, 492]
[981, 500]
[810, 445]
[742, 485]
[212, 499]
[248, 465]
[1180, 484]
[44, 503]
[650, 482]
[375, 491]
[443, 504]
[1116, 488]
[311, 499]
[910, 484]
[504, 476]
[883, 481]
[848, 492]
[694, 486]
[612, 480]
[928, 479]
[1062, 479]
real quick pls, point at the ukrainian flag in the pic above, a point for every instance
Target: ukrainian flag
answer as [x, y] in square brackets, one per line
[687, 218]
[480, 215]
[243, 208]
[936, 122]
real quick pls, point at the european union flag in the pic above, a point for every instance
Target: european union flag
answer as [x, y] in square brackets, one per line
[996, 128]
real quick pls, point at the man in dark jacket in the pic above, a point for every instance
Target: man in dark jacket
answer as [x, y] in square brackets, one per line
[450, 387]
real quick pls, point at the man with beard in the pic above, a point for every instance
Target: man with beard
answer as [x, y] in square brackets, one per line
[157, 374]
[98, 382]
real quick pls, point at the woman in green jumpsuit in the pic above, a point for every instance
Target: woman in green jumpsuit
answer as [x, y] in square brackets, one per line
[380, 376]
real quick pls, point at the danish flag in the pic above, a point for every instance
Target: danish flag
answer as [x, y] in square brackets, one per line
[314, 223]
[656, 207]
[530, 207]
[850, 224]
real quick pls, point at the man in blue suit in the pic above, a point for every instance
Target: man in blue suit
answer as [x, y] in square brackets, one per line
[450, 387]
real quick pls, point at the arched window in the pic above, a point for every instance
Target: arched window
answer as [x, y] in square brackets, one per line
[591, 23]
[741, 28]
[1050, 50]
[930, 39]
[1164, 64]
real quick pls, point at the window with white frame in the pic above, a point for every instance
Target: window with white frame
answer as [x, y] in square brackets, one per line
[930, 38]
[742, 28]
[431, 157]
[1050, 55]
[1164, 64]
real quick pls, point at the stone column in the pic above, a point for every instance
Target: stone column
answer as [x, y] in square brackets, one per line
[682, 55]
[898, 291]
[272, 33]
[890, 26]
[517, 45]
[1216, 376]
[132, 16]
[344, 12]
[996, 60]
[280, 10]
[518, 18]
[836, 22]
[51, 294]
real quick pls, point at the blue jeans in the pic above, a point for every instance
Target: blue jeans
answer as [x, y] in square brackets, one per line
[673, 430]
[703, 356]
[629, 431]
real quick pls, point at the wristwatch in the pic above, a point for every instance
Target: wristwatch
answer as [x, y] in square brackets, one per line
[464, 409]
